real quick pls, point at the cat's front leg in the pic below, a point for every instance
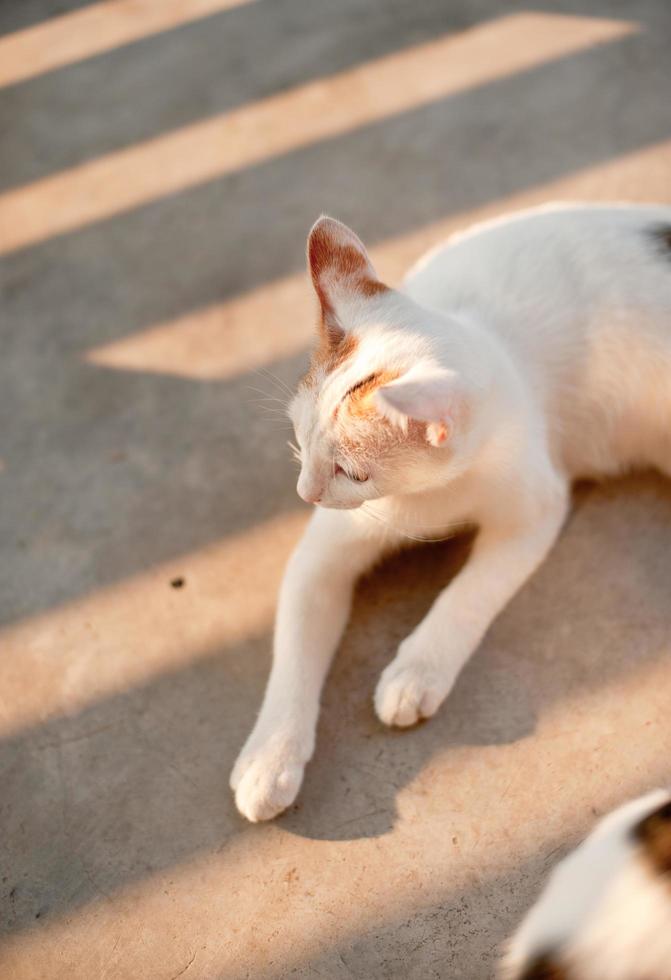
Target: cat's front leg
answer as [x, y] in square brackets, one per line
[428, 662]
[312, 612]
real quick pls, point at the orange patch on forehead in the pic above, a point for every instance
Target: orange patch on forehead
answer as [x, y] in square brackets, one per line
[359, 397]
[329, 354]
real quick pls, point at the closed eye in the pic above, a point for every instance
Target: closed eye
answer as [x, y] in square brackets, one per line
[355, 477]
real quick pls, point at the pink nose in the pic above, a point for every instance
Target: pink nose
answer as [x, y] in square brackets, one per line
[310, 496]
[308, 490]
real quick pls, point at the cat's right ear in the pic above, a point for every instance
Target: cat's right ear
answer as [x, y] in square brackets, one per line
[339, 266]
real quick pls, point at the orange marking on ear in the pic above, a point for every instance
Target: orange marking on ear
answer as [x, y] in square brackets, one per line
[336, 256]
[371, 287]
[331, 259]
[325, 253]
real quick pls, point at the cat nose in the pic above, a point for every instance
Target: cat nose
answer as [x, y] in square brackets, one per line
[308, 490]
[310, 498]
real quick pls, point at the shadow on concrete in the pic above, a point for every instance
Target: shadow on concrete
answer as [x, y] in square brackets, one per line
[230, 235]
[193, 448]
[219, 62]
[123, 470]
[202, 68]
[88, 806]
[463, 931]
[107, 473]
[28, 13]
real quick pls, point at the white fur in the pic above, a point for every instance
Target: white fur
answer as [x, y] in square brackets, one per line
[550, 334]
[604, 913]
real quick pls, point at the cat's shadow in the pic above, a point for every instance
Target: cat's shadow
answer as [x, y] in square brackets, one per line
[561, 636]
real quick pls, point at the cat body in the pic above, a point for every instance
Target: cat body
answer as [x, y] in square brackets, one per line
[517, 357]
[605, 913]
[575, 296]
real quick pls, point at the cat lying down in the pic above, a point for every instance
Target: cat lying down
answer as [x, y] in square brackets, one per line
[606, 911]
[515, 358]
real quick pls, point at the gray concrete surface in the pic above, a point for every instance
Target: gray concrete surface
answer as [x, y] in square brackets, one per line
[136, 449]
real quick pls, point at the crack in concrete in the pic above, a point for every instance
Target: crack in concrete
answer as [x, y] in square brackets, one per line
[183, 971]
[74, 738]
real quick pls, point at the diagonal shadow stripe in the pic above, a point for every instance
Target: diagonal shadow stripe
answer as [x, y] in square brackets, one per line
[94, 808]
[164, 82]
[117, 182]
[133, 470]
[231, 235]
[75, 36]
[189, 346]
[193, 449]
[15, 16]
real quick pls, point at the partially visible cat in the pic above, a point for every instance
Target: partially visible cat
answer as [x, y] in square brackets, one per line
[520, 355]
[605, 913]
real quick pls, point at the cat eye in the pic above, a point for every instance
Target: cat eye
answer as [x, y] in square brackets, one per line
[355, 477]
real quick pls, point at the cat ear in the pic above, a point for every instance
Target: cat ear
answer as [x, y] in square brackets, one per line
[430, 395]
[654, 832]
[338, 263]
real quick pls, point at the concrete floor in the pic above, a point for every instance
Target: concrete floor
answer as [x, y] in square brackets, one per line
[159, 172]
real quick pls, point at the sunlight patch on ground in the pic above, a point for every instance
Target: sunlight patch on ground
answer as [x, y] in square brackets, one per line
[270, 899]
[98, 27]
[319, 110]
[223, 339]
[87, 649]
[214, 342]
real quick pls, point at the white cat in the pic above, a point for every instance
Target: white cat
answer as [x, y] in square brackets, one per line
[516, 357]
[605, 913]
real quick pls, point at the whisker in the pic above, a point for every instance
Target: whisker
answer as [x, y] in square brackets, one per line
[277, 424]
[295, 451]
[267, 396]
[282, 385]
[270, 410]
[279, 419]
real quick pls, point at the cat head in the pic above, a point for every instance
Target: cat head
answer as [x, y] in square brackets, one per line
[379, 412]
[605, 912]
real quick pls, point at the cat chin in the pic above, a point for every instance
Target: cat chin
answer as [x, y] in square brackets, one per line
[337, 505]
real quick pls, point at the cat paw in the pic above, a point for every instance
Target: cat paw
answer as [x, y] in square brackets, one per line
[265, 782]
[406, 693]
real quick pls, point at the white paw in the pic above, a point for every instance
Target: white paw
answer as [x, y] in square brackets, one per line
[408, 692]
[266, 781]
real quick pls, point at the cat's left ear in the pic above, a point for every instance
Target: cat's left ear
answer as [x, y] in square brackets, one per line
[432, 395]
[339, 265]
